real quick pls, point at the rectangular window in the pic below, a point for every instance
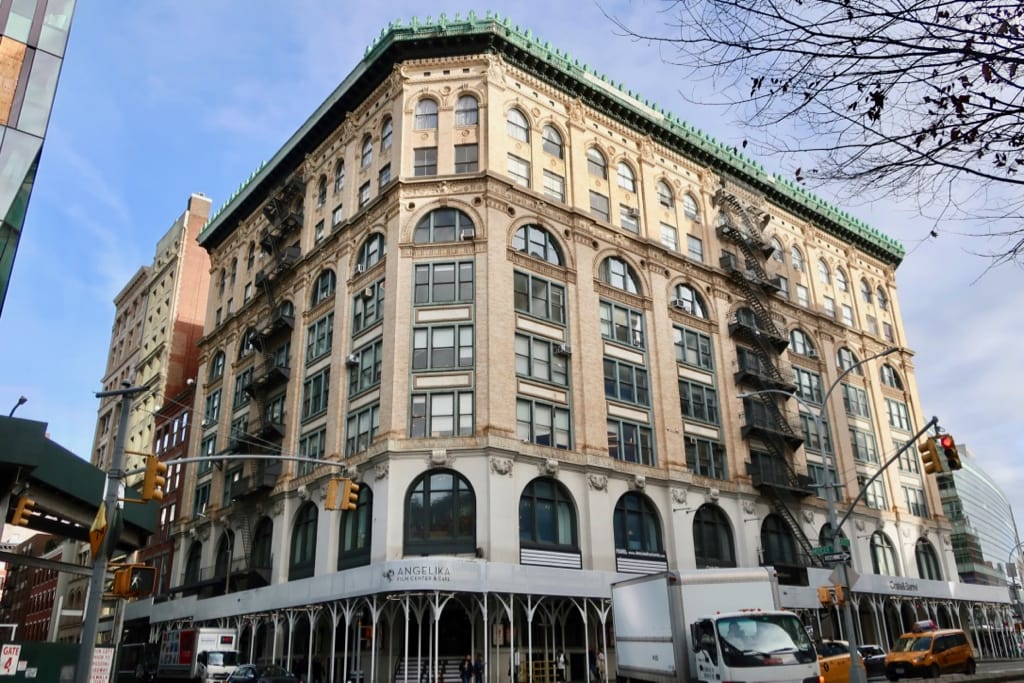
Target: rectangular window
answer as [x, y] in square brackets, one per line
[621, 324]
[442, 347]
[915, 500]
[802, 296]
[899, 418]
[364, 194]
[239, 430]
[626, 382]
[808, 385]
[424, 161]
[856, 401]
[230, 477]
[669, 237]
[384, 176]
[315, 393]
[274, 412]
[693, 348]
[538, 359]
[830, 307]
[888, 333]
[443, 283]
[706, 458]
[519, 169]
[212, 412]
[695, 248]
[599, 205]
[872, 325]
[816, 471]
[813, 440]
[554, 186]
[368, 307]
[467, 159]
[207, 449]
[874, 495]
[247, 292]
[539, 298]
[318, 231]
[783, 286]
[338, 215]
[543, 423]
[631, 442]
[201, 500]
[364, 368]
[242, 382]
[629, 217]
[319, 338]
[847, 315]
[360, 429]
[909, 461]
[312, 445]
[441, 414]
[864, 448]
[698, 401]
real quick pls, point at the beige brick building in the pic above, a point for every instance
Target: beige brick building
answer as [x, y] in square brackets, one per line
[421, 288]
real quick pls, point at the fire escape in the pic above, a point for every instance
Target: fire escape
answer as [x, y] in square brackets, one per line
[271, 339]
[760, 345]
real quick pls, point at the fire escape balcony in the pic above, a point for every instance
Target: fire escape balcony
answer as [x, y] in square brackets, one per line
[260, 481]
[754, 374]
[777, 474]
[281, 319]
[765, 421]
[273, 375]
[748, 331]
[282, 221]
[768, 429]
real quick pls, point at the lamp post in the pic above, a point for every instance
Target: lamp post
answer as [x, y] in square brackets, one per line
[856, 671]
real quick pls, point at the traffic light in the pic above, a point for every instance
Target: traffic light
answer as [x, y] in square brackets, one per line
[23, 512]
[153, 484]
[332, 494]
[831, 595]
[948, 444]
[349, 495]
[930, 456]
[134, 581]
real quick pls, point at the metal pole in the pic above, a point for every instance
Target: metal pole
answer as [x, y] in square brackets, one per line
[94, 602]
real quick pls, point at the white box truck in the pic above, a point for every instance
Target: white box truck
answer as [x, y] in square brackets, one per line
[206, 655]
[710, 625]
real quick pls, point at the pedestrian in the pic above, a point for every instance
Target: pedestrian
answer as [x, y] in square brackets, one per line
[560, 666]
[600, 664]
[478, 668]
[592, 662]
[466, 668]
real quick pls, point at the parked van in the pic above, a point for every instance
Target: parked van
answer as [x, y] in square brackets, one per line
[929, 653]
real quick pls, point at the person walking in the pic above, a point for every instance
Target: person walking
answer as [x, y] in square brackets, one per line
[592, 662]
[478, 668]
[466, 668]
[560, 667]
[600, 664]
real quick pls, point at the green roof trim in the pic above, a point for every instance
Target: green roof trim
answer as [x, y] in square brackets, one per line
[472, 34]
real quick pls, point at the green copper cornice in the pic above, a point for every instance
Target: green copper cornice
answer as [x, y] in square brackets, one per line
[496, 35]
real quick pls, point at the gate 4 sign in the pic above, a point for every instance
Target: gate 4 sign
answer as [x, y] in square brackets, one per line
[9, 656]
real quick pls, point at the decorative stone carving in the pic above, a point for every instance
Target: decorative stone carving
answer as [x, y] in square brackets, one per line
[859, 523]
[639, 482]
[808, 516]
[550, 467]
[439, 458]
[501, 466]
[303, 492]
[679, 496]
[380, 470]
[748, 507]
[714, 494]
[597, 482]
[277, 508]
[946, 541]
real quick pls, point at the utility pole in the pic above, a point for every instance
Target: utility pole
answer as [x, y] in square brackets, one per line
[94, 602]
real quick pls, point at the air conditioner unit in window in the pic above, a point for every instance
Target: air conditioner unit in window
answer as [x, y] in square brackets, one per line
[563, 350]
[633, 212]
[360, 268]
[467, 233]
[352, 360]
[679, 303]
[811, 353]
[368, 293]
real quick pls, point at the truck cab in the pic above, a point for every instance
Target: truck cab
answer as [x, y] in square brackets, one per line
[752, 645]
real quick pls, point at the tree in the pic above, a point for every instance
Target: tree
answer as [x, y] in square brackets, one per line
[912, 99]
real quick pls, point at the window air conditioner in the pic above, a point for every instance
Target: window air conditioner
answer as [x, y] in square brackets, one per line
[368, 293]
[633, 212]
[563, 350]
[678, 303]
[467, 233]
[352, 360]
[360, 268]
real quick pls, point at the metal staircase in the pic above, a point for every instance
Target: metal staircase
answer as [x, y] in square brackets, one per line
[760, 344]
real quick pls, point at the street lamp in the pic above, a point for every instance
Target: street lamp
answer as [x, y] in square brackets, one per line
[856, 671]
[22, 400]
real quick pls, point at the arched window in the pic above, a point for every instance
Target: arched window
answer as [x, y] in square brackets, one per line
[927, 560]
[777, 542]
[797, 257]
[690, 209]
[387, 131]
[865, 291]
[217, 366]
[883, 555]
[891, 378]
[518, 127]
[536, 241]
[846, 359]
[321, 190]
[263, 546]
[596, 165]
[823, 272]
[825, 535]
[426, 115]
[467, 111]
[373, 250]
[688, 299]
[883, 299]
[249, 341]
[841, 281]
[440, 515]
[443, 225]
[778, 253]
[366, 155]
[302, 562]
[552, 142]
[800, 343]
[323, 288]
[354, 532]
[637, 525]
[547, 516]
[627, 179]
[713, 545]
[339, 175]
[225, 551]
[665, 196]
[250, 258]
[192, 564]
[617, 273]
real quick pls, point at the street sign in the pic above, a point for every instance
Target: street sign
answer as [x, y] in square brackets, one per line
[836, 557]
[9, 656]
[823, 550]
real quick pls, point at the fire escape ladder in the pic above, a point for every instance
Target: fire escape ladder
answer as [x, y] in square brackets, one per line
[245, 533]
[780, 507]
[777, 419]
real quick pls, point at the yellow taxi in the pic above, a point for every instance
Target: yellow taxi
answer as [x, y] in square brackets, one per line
[834, 658]
[929, 651]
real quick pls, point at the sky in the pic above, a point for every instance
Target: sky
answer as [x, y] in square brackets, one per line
[163, 98]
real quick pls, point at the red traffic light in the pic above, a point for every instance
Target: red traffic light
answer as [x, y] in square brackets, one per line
[946, 441]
